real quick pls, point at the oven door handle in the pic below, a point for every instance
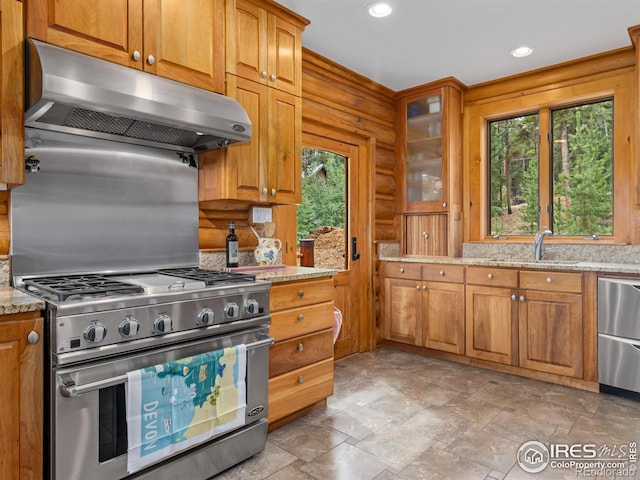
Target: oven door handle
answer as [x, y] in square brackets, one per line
[69, 389]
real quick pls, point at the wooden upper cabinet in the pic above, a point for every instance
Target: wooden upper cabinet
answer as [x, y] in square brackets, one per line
[178, 39]
[264, 44]
[11, 93]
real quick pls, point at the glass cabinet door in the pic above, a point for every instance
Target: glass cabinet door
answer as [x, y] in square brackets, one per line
[424, 165]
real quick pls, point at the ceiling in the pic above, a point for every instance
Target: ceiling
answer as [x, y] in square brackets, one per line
[426, 40]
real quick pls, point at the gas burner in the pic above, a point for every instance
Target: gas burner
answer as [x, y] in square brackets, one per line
[209, 277]
[64, 287]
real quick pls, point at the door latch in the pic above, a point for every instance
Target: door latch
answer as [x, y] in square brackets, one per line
[355, 255]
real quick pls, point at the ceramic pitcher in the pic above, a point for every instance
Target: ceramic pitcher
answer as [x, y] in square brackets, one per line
[267, 251]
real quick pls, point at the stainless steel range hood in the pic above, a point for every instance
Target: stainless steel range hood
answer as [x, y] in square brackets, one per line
[74, 93]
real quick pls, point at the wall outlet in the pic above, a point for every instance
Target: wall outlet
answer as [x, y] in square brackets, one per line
[262, 215]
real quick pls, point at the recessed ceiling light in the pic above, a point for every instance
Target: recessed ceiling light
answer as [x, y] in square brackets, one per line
[379, 9]
[523, 51]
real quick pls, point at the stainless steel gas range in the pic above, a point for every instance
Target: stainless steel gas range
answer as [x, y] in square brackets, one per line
[154, 367]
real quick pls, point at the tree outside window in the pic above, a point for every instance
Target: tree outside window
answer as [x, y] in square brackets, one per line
[576, 196]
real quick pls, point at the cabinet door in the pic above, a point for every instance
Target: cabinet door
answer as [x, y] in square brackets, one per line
[403, 311]
[285, 65]
[20, 397]
[108, 29]
[551, 332]
[247, 40]
[284, 147]
[492, 329]
[443, 327]
[185, 39]
[426, 234]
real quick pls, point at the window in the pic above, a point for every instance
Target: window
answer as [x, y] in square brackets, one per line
[568, 186]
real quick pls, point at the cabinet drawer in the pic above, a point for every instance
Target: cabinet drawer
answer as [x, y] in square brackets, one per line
[300, 351]
[551, 281]
[411, 271]
[301, 321]
[297, 294]
[492, 277]
[443, 273]
[300, 388]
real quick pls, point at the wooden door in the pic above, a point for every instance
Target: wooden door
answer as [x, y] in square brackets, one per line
[426, 234]
[551, 332]
[403, 310]
[284, 147]
[186, 40]
[491, 324]
[353, 284]
[107, 29]
[21, 422]
[247, 40]
[443, 312]
[285, 64]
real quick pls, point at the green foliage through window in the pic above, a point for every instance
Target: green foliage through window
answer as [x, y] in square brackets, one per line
[323, 191]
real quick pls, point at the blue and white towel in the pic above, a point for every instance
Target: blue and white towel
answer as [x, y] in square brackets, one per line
[178, 404]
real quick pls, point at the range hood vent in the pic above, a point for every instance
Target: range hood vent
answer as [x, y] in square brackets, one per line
[74, 93]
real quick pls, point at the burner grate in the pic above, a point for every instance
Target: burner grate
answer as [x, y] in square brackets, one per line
[63, 287]
[209, 277]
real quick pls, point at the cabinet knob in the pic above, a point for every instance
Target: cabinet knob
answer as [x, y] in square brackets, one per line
[425, 235]
[273, 192]
[549, 280]
[513, 297]
[442, 273]
[417, 287]
[401, 270]
[33, 337]
[522, 298]
[300, 379]
[136, 55]
[273, 77]
[300, 347]
[263, 74]
[300, 317]
[444, 204]
[265, 191]
[300, 293]
[490, 276]
[151, 60]
[424, 288]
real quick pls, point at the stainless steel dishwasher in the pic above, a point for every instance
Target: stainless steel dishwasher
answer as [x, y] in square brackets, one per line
[619, 335]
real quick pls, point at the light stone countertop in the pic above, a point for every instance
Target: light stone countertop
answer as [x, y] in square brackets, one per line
[16, 301]
[289, 274]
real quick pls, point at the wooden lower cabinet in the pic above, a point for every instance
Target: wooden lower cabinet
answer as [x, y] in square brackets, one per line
[423, 307]
[21, 424]
[301, 359]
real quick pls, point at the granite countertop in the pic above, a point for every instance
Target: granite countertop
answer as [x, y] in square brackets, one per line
[289, 274]
[16, 301]
[551, 264]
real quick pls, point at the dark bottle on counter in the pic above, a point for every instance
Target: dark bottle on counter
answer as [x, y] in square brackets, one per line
[232, 246]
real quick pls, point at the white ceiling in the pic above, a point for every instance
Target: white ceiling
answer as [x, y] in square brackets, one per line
[425, 40]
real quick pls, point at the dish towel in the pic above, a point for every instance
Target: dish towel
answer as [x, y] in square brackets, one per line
[181, 403]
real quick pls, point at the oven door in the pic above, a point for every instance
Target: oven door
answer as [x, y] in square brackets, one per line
[88, 437]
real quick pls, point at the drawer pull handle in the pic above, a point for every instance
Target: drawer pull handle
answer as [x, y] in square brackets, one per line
[300, 379]
[513, 297]
[300, 347]
[300, 294]
[300, 317]
[401, 270]
[549, 280]
[442, 273]
[490, 276]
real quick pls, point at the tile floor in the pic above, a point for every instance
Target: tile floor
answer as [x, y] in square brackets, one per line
[397, 415]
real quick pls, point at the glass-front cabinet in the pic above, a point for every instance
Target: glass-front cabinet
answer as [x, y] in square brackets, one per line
[429, 152]
[425, 169]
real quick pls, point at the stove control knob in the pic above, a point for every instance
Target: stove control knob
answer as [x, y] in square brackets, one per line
[231, 310]
[252, 307]
[95, 333]
[129, 327]
[206, 316]
[162, 324]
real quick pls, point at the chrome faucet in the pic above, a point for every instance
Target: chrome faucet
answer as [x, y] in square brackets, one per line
[538, 241]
